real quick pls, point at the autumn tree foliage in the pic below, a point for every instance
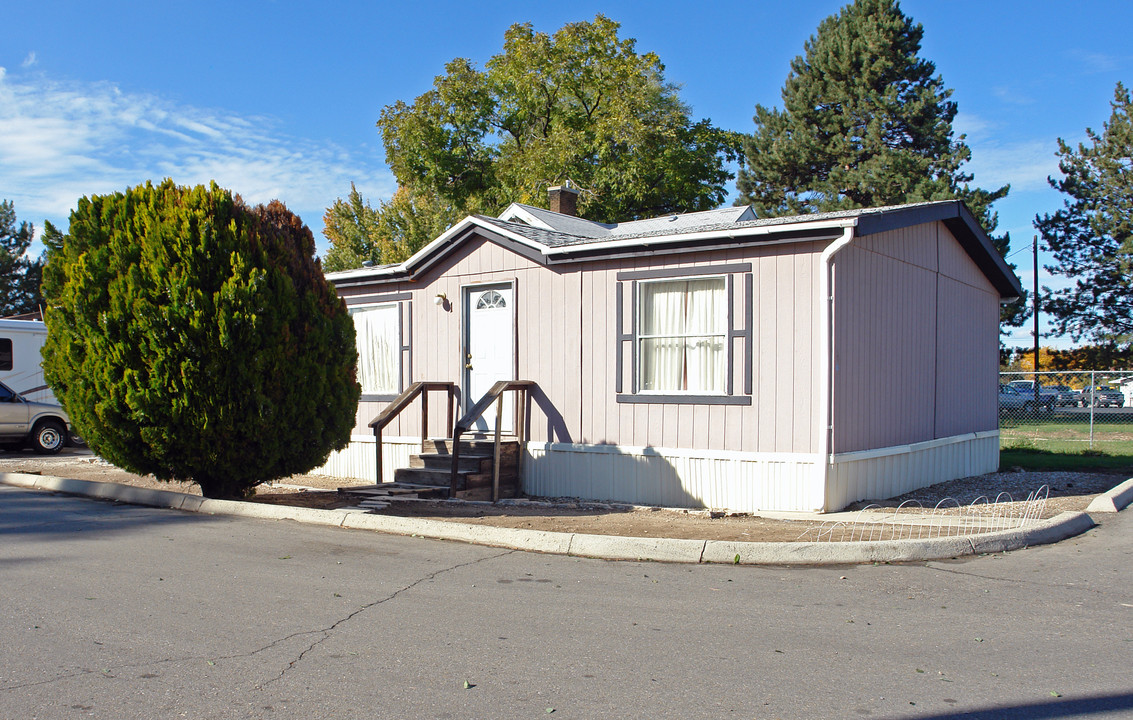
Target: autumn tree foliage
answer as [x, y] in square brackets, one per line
[193, 337]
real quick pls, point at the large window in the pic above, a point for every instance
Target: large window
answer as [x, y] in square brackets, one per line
[378, 331]
[5, 354]
[682, 338]
[684, 335]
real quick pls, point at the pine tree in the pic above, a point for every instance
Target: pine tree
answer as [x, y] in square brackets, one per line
[193, 337]
[865, 123]
[19, 274]
[1091, 237]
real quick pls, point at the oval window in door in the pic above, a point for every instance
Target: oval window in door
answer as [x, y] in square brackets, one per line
[491, 299]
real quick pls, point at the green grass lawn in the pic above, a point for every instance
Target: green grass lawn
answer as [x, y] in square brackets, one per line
[1032, 458]
[1110, 434]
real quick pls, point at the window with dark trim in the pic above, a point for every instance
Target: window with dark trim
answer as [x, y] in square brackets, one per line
[689, 330]
[5, 353]
[382, 331]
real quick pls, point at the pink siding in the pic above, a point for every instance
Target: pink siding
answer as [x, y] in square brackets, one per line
[915, 341]
[780, 418]
[566, 343]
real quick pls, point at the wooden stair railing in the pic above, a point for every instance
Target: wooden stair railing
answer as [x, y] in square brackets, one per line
[391, 411]
[495, 395]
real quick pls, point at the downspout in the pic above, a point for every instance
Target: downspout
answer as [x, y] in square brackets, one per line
[826, 362]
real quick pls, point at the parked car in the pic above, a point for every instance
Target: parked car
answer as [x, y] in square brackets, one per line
[1013, 402]
[1102, 396]
[1067, 396]
[1047, 397]
[43, 426]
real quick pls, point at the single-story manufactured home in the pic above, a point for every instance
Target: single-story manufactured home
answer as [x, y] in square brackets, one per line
[710, 359]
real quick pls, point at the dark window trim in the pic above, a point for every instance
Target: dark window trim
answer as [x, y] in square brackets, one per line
[684, 399]
[404, 303]
[746, 333]
[353, 300]
[7, 356]
[684, 272]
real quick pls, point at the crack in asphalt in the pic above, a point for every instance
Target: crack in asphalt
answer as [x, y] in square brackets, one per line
[1016, 581]
[324, 632]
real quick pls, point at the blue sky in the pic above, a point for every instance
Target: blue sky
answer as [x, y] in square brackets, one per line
[279, 99]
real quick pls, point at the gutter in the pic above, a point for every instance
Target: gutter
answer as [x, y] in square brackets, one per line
[826, 362]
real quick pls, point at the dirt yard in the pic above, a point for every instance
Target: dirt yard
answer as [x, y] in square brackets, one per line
[1068, 491]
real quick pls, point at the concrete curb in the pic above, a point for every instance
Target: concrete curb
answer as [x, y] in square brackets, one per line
[1113, 500]
[606, 547]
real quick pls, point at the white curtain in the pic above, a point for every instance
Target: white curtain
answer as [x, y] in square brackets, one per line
[662, 315]
[379, 347]
[705, 326]
[683, 329]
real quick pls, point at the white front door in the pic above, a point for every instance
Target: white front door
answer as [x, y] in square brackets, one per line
[490, 349]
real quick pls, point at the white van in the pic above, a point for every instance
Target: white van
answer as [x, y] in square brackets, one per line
[20, 344]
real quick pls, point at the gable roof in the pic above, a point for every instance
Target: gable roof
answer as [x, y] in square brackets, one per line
[550, 238]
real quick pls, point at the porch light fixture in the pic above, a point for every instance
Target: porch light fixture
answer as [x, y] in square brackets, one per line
[441, 301]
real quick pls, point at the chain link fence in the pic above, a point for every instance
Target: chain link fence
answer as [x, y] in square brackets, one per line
[1067, 411]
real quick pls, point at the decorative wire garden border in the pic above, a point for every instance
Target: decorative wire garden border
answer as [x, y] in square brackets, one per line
[911, 521]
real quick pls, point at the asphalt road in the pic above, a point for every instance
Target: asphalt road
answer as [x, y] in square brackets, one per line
[115, 611]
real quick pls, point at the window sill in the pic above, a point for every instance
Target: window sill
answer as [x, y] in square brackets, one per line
[685, 399]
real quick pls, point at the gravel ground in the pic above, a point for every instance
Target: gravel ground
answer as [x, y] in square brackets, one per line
[1067, 491]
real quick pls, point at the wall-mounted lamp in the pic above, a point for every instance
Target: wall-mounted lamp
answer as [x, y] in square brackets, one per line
[441, 301]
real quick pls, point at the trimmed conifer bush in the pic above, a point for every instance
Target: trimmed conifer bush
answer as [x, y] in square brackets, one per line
[193, 337]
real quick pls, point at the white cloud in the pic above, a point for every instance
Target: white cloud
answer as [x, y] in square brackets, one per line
[1096, 62]
[1025, 164]
[29, 60]
[60, 141]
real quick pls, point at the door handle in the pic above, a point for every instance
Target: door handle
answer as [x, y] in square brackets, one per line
[468, 366]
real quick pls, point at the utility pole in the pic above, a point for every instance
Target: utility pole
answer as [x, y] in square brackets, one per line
[1035, 305]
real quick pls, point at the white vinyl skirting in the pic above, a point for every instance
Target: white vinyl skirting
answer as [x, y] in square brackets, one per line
[737, 481]
[356, 460]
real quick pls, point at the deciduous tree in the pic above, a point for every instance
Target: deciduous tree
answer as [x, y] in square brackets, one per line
[580, 105]
[194, 337]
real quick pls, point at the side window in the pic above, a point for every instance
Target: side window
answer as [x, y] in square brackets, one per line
[6, 394]
[378, 335]
[5, 354]
[684, 335]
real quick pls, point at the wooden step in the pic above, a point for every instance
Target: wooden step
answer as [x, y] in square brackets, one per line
[425, 476]
[485, 493]
[471, 446]
[436, 461]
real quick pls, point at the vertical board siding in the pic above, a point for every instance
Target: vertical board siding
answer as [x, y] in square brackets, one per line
[567, 344]
[884, 345]
[967, 359]
[915, 341]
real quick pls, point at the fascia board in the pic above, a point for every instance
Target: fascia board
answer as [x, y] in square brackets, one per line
[648, 242]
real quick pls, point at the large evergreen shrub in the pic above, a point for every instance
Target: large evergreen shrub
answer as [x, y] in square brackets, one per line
[193, 337]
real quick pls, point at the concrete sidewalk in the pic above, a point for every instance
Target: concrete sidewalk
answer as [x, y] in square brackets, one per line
[607, 547]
